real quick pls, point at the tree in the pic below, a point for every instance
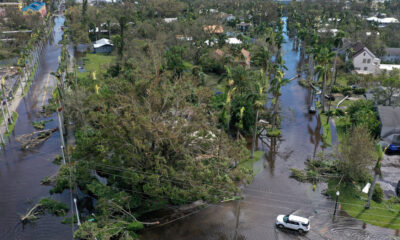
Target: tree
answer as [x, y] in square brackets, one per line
[356, 155]
[391, 86]
[323, 57]
[377, 172]
[258, 105]
[122, 26]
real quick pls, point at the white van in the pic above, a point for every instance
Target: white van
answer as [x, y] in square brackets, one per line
[297, 223]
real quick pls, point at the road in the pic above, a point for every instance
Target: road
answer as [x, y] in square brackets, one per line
[21, 171]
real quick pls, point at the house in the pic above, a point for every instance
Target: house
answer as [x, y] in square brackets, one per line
[390, 121]
[213, 29]
[170, 20]
[184, 38]
[244, 27]
[364, 61]
[392, 55]
[103, 46]
[35, 7]
[233, 41]
[383, 22]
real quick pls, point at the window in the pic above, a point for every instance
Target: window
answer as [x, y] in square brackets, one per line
[369, 61]
[364, 53]
[364, 60]
[357, 68]
[366, 69]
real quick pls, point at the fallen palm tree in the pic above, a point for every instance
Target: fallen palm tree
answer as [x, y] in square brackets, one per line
[52, 206]
[31, 140]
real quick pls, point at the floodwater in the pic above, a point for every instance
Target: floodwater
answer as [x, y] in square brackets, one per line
[21, 171]
[273, 192]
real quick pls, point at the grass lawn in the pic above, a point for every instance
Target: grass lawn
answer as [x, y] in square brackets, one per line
[98, 63]
[249, 163]
[327, 136]
[385, 214]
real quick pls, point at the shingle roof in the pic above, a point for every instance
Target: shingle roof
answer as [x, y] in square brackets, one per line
[390, 120]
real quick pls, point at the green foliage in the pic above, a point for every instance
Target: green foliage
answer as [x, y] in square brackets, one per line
[378, 194]
[70, 220]
[54, 207]
[135, 226]
[363, 113]
[62, 180]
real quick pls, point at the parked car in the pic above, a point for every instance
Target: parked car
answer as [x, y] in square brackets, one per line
[312, 109]
[393, 149]
[300, 224]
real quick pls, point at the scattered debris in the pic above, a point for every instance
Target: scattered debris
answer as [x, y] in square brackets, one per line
[33, 139]
[40, 124]
[53, 206]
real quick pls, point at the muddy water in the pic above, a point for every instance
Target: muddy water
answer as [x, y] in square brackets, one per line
[21, 171]
[273, 192]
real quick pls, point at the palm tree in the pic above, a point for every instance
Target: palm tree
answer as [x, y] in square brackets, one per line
[258, 105]
[323, 57]
[262, 58]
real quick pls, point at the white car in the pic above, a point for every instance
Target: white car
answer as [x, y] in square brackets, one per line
[293, 222]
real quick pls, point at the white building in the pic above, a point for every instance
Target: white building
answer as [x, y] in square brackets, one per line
[364, 61]
[383, 21]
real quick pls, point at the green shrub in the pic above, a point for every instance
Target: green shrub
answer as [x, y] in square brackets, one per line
[359, 91]
[378, 194]
[54, 207]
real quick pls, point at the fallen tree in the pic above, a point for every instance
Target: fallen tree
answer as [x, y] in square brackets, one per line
[31, 140]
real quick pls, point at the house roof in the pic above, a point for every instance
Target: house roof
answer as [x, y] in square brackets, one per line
[213, 29]
[233, 41]
[35, 6]
[390, 120]
[358, 48]
[386, 20]
[102, 42]
[392, 51]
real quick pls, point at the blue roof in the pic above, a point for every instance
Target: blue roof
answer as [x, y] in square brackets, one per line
[35, 6]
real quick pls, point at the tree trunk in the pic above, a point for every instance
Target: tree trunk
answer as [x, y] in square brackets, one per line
[371, 189]
[253, 142]
[323, 91]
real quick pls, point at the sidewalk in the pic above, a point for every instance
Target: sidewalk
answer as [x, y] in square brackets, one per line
[13, 105]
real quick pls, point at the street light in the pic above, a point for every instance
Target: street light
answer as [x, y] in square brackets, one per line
[337, 196]
[77, 212]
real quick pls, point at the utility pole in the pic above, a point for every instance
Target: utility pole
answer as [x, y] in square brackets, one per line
[2, 138]
[8, 112]
[5, 118]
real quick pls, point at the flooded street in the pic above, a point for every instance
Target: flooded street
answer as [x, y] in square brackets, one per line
[273, 192]
[21, 171]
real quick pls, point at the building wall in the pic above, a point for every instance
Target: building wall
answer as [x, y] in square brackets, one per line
[365, 62]
[104, 49]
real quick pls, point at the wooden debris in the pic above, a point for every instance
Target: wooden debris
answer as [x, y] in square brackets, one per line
[31, 214]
